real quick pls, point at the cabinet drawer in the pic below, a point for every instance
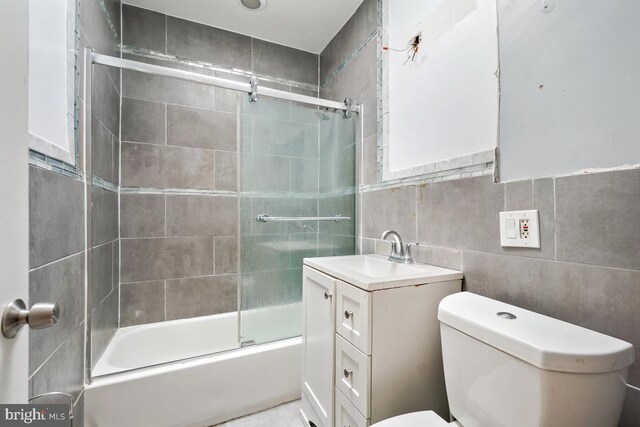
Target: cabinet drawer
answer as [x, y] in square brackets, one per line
[353, 374]
[353, 315]
[346, 414]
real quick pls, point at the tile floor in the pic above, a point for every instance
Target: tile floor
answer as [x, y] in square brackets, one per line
[281, 416]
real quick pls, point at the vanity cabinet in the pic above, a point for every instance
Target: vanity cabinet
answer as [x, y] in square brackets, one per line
[369, 355]
[318, 335]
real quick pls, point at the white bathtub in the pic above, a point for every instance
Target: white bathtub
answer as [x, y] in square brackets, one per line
[200, 391]
[147, 345]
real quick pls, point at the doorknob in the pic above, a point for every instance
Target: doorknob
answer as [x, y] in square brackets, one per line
[40, 316]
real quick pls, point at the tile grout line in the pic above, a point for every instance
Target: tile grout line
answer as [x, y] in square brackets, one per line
[66, 257]
[81, 325]
[555, 222]
[537, 259]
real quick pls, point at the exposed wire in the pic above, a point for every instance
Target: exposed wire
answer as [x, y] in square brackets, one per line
[397, 50]
[412, 48]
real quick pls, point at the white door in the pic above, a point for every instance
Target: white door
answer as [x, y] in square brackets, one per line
[318, 338]
[14, 192]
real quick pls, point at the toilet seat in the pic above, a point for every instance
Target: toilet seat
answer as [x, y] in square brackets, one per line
[416, 419]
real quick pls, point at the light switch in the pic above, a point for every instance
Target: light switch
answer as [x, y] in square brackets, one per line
[511, 229]
[520, 229]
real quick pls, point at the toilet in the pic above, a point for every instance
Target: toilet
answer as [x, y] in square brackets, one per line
[509, 367]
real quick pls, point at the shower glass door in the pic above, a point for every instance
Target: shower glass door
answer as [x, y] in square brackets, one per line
[295, 161]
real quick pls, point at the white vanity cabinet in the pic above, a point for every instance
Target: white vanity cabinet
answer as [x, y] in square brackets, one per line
[318, 335]
[371, 346]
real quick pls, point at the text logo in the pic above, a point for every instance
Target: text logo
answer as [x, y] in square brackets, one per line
[34, 415]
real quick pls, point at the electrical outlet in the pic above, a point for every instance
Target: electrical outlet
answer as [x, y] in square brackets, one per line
[520, 229]
[524, 228]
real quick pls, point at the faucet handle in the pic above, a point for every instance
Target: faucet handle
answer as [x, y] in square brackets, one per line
[409, 256]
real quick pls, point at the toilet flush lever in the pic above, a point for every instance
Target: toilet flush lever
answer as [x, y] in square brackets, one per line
[40, 316]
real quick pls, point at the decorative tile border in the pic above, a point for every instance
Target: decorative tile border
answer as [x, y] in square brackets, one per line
[103, 7]
[176, 191]
[57, 166]
[104, 184]
[54, 165]
[445, 175]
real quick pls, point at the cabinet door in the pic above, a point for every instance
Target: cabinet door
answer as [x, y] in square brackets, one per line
[318, 348]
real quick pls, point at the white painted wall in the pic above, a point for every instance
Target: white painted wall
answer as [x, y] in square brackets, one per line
[570, 86]
[50, 82]
[445, 104]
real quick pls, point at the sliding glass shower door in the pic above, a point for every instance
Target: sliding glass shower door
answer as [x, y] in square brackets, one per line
[297, 200]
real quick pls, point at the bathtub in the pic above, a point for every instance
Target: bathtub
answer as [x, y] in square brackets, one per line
[203, 389]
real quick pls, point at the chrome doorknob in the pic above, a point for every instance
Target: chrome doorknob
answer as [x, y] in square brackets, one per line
[40, 316]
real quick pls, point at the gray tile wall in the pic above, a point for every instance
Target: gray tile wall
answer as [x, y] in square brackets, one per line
[57, 231]
[167, 237]
[57, 275]
[585, 272]
[348, 68]
[588, 269]
[101, 27]
[179, 252]
[153, 31]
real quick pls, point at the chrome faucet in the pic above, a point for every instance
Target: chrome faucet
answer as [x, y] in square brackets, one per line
[400, 251]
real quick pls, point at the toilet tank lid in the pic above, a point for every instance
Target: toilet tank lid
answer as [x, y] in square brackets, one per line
[542, 341]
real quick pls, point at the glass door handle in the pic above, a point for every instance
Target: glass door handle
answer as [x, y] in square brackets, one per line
[40, 316]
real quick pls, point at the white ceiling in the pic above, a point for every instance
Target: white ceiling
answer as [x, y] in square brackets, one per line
[304, 24]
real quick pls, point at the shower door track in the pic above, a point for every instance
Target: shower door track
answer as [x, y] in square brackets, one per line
[252, 88]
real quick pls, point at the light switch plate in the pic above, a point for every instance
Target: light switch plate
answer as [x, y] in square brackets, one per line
[520, 229]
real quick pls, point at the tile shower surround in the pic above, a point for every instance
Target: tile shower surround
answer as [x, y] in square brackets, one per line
[178, 207]
[587, 270]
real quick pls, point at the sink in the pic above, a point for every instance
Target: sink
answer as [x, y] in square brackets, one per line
[375, 272]
[373, 267]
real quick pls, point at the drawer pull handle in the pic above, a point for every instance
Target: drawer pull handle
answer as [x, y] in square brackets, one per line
[327, 295]
[348, 314]
[348, 373]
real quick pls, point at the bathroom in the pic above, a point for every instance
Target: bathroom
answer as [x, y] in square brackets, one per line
[216, 213]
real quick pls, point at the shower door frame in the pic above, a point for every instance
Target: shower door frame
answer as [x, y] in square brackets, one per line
[252, 89]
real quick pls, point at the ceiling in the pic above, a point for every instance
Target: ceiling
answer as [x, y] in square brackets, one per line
[303, 24]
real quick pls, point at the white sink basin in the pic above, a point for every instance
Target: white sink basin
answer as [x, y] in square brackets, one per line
[374, 272]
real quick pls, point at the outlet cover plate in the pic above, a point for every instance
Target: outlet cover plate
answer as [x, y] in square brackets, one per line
[511, 219]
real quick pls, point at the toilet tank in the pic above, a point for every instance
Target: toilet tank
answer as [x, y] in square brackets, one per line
[505, 367]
